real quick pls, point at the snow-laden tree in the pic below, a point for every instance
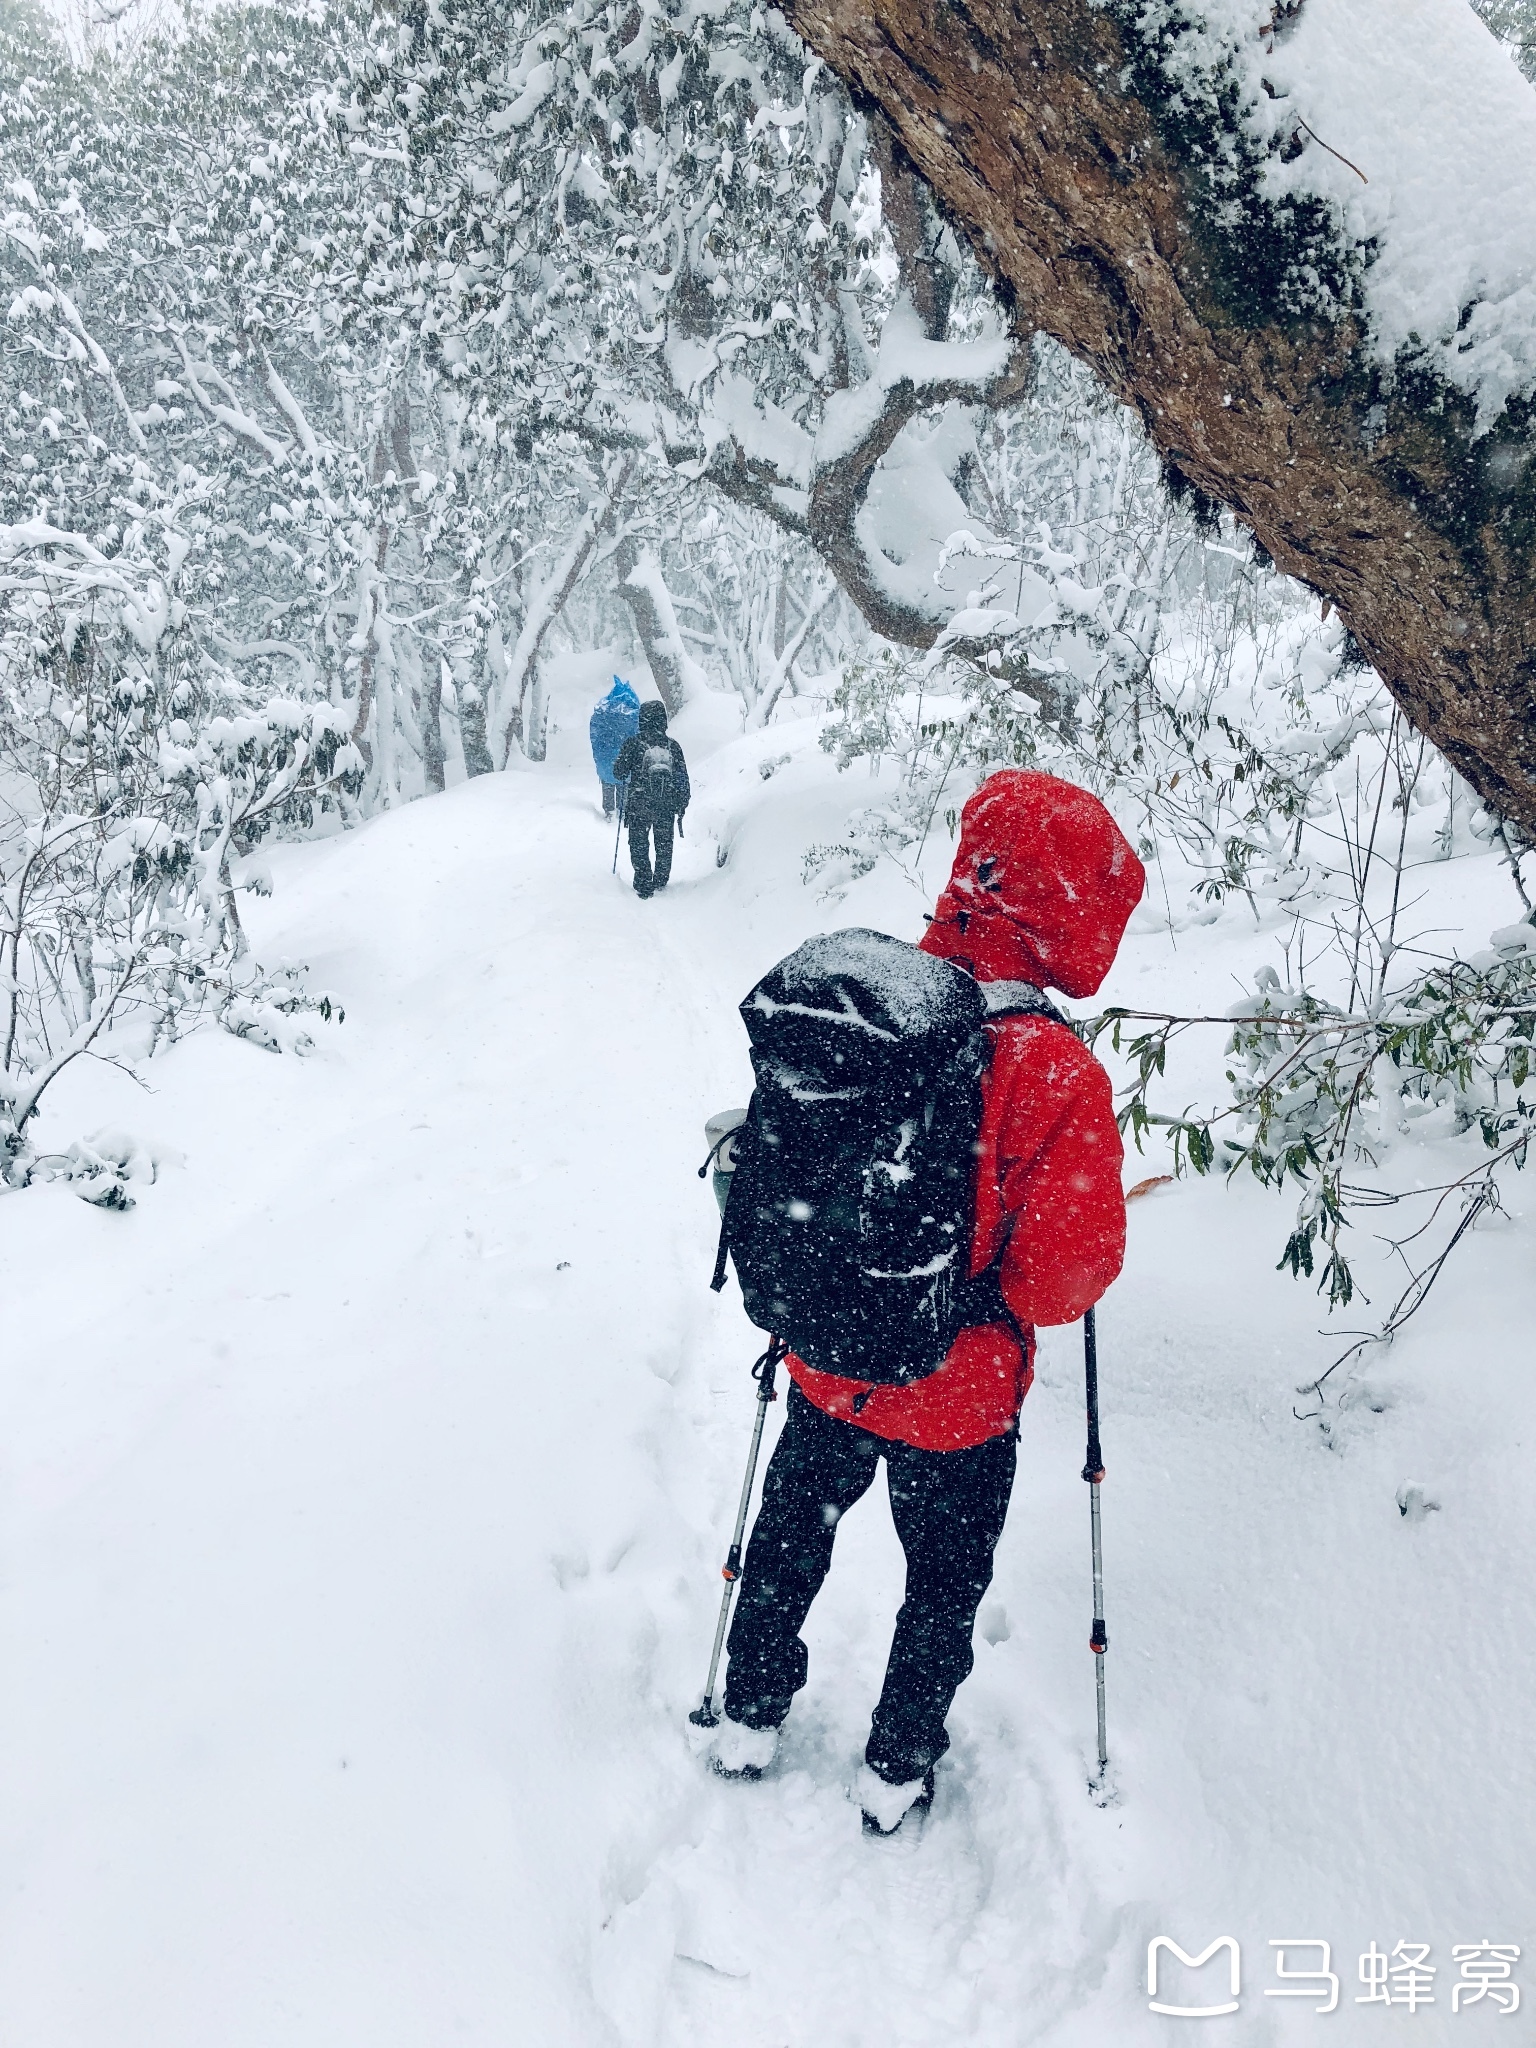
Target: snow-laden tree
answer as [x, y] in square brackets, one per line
[755, 607]
[1120, 633]
[1514, 23]
[1127, 639]
[664, 231]
[163, 645]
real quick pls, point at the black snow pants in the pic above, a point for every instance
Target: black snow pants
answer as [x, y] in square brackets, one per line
[640, 831]
[948, 1507]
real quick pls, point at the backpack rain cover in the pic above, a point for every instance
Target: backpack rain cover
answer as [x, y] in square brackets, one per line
[852, 1204]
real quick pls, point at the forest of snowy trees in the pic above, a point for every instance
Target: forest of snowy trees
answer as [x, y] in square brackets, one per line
[356, 362]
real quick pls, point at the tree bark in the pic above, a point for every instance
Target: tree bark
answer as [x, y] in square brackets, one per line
[429, 712]
[658, 637]
[1023, 123]
[428, 699]
[841, 486]
[469, 685]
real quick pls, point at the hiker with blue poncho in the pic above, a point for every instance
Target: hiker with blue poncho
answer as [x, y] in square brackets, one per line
[615, 719]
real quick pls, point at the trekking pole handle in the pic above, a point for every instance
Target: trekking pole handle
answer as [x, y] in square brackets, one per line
[764, 1368]
[763, 1373]
[1093, 1463]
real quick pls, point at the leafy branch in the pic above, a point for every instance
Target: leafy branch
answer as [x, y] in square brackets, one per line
[1315, 1090]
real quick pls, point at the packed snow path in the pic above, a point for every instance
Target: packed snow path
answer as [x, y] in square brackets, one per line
[365, 1489]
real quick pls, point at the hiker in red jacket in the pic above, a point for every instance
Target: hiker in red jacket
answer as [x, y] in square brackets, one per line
[1039, 896]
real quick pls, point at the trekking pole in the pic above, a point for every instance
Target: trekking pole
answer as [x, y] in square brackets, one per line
[1093, 1472]
[618, 829]
[704, 1715]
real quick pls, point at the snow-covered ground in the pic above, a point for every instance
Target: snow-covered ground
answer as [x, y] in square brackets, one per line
[364, 1491]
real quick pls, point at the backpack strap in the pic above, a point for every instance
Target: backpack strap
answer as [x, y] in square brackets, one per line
[984, 1299]
[721, 1251]
[1017, 999]
[723, 1247]
[984, 1291]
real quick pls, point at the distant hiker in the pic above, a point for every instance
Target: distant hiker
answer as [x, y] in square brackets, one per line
[654, 777]
[616, 719]
[904, 1109]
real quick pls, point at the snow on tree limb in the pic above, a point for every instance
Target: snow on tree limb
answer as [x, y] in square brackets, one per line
[1104, 165]
[684, 256]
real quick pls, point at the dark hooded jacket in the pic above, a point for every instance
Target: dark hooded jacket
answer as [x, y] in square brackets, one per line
[653, 771]
[1041, 889]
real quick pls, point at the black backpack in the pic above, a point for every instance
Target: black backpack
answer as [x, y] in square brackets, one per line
[656, 779]
[852, 1202]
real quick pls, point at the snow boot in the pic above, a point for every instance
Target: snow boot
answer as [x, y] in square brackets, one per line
[742, 1752]
[886, 1805]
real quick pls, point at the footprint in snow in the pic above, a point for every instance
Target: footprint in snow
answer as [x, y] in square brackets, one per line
[1414, 1502]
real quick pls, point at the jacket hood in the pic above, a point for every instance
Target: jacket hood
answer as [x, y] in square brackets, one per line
[1042, 886]
[653, 721]
[622, 694]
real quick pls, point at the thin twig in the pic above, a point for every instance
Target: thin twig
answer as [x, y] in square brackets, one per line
[1416, 1293]
[1333, 152]
[1513, 860]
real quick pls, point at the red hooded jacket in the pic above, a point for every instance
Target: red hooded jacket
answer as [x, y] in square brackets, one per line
[1041, 889]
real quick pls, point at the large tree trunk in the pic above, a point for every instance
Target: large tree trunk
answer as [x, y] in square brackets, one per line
[1025, 124]
[644, 590]
[470, 684]
[429, 716]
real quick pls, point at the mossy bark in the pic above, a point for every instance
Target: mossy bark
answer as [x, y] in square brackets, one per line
[1373, 490]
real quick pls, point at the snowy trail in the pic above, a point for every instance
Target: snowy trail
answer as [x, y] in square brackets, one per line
[362, 1521]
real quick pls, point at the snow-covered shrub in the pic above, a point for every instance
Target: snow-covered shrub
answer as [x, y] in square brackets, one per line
[136, 782]
[1319, 1093]
[186, 518]
[1371, 1039]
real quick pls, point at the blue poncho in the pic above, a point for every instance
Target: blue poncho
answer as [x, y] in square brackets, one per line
[614, 720]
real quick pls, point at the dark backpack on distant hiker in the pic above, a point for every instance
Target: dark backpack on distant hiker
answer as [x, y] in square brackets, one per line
[653, 779]
[852, 1200]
